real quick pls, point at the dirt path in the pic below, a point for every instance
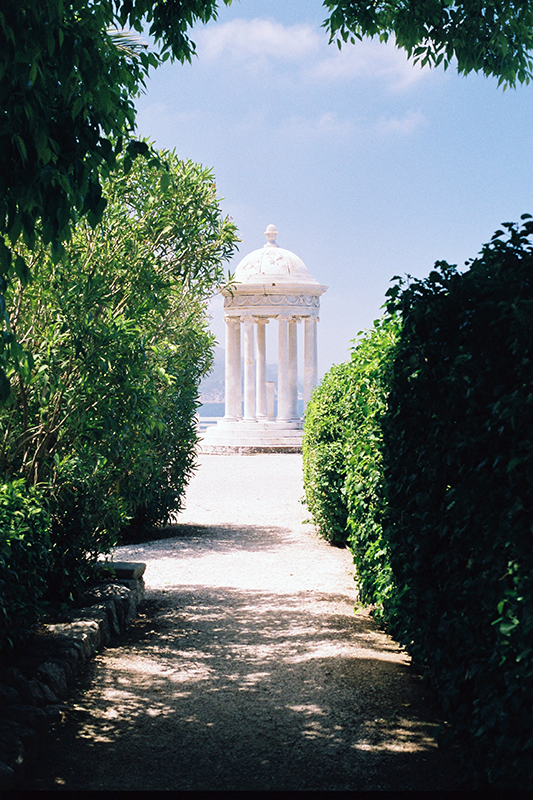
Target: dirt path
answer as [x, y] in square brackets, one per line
[248, 669]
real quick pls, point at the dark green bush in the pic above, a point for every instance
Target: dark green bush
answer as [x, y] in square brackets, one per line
[24, 560]
[458, 464]
[427, 438]
[364, 491]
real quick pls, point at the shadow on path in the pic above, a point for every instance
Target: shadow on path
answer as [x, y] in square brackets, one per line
[195, 540]
[219, 688]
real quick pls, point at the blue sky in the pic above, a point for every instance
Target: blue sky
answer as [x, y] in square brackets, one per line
[368, 166]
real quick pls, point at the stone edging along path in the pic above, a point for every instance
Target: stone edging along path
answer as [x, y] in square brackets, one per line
[37, 677]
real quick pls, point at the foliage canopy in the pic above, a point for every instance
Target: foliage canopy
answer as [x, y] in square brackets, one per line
[66, 100]
[495, 38]
[67, 111]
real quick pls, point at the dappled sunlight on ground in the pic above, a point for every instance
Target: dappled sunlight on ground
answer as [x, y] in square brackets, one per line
[248, 669]
[272, 685]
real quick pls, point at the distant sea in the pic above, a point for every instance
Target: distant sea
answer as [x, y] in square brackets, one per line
[211, 410]
[217, 409]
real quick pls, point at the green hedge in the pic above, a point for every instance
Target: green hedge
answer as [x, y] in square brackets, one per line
[24, 560]
[458, 465]
[433, 473]
[342, 457]
[324, 468]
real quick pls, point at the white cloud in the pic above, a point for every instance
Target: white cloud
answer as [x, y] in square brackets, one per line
[263, 43]
[257, 41]
[368, 59]
[401, 126]
[327, 125]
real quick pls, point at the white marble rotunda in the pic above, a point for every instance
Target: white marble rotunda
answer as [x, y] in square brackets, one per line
[272, 285]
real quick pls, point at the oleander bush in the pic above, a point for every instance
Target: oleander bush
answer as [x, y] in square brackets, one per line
[102, 419]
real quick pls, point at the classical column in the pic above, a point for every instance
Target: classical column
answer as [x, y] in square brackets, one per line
[271, 399]
[293, 368]
[284, 403]
[310, 358]
[233, 369]
[261, 393]
[249, 370]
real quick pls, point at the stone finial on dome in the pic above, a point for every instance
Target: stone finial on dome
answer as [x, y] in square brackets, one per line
[271, 234]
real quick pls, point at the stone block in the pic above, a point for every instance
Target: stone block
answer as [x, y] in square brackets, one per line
[54, 714]
[123, 570]
[9, 696]
[121, 596]
[86, 633]
[112, 618]
[23, 687]
[29, 716]
[11, 730]
[42, 692]
[136, 588]
[97, 613]
[53, 674]
[7, 775]
[71, 653]
[12, 750]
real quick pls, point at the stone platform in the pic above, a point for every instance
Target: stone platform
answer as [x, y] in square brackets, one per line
[228, 437]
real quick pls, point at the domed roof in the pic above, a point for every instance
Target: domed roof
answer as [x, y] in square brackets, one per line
[272, 264]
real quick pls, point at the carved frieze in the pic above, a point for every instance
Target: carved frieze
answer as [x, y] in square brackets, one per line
[266, 300]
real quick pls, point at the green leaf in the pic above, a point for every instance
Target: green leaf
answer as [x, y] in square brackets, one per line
[5, 387]
[22, 270]
[165, 181]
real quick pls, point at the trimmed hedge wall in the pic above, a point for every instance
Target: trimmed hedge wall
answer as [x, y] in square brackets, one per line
[342, 457]
[458, 466]
[450, 496]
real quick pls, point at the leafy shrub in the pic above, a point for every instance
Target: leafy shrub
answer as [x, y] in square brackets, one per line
[324, 467]
[458, 464]
[364, 489]
[342, 457]
[427, 434]
[118, 332]
[24, 559]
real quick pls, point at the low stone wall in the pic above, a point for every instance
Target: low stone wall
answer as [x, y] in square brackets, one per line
[35, 679]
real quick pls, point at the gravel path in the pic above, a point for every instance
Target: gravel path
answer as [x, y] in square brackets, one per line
[248, 669]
